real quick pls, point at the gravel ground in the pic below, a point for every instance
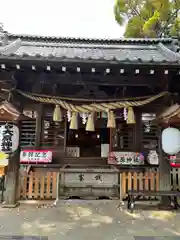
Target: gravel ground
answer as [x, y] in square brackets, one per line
[85, 220]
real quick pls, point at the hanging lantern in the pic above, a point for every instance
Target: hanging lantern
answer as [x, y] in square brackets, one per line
[111, 123]
[171, 141]
[90, 123]
[69, 116]
[57, 115]
[74, 122]
[130, 116]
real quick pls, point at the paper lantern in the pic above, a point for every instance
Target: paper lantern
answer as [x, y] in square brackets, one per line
[9, 138]
[171, 141]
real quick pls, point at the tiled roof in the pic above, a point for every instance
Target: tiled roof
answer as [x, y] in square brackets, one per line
[119, 50]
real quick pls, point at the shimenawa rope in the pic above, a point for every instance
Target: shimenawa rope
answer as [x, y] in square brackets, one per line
[93, 107]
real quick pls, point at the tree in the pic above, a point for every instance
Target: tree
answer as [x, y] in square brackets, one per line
[149, 18]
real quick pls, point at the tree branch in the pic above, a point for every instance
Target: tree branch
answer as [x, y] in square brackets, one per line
[167, 22]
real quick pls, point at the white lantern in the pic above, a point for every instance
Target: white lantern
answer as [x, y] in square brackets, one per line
[171, 141]
[9, 138]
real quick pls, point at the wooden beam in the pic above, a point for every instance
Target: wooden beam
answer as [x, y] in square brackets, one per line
[93, 78]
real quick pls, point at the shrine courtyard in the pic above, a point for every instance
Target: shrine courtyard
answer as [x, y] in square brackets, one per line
[85, 220]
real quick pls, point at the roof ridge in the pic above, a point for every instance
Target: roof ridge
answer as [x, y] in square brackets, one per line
[90, 40]
[86, 45]
[13, 46]
[173, 56]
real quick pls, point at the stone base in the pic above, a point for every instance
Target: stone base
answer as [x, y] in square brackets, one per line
[10, 205]
[165, 207]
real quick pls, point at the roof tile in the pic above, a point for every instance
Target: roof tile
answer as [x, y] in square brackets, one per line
[120, 50]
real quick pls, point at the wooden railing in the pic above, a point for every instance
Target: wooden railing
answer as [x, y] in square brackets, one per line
[44, 186]
[38, 186]
[175, 178]
[138, 181]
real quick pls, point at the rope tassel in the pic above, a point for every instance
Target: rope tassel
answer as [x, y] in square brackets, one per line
[111, 123]
[57, 115]
[74, 122]
[90, 123]
[130, 116]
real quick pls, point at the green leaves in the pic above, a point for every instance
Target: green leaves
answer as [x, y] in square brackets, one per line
[149, 18]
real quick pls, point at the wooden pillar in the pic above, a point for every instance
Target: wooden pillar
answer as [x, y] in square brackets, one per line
[39, 115]
[164, 172]
[65, 134]
[138, 131]
[12, 182]
[8, 113]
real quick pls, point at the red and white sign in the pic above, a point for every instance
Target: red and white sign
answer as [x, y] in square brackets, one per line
[125, 158]
[35, 156]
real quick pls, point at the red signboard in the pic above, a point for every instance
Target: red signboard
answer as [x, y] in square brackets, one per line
[36, 156]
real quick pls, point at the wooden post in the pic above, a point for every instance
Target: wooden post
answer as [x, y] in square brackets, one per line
[8, 113]
[138, 131]
[110, 139]
[65, 134]
[164, 172]
[39, 114]
[12, 181]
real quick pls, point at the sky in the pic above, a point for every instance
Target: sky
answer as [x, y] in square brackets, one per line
[66, 18]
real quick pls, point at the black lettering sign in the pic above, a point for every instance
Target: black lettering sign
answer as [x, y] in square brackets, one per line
[129, 159]
[44, 155]
[24, 154]
[98, 177]
[122, 159]
[81, 177]
[136, 159]
[31, 154]
[6, 145]
[37, 154]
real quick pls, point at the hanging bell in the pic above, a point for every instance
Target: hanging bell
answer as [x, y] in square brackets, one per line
[111, 123]
[90, 123]
[57, 115]
[74, 122]
[130, 116]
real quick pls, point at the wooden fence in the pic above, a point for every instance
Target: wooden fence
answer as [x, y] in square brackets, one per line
[38, 186]
[138, 181]
[44, 187]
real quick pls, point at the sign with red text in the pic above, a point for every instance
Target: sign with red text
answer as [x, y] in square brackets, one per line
[35, 156]
[125, 158]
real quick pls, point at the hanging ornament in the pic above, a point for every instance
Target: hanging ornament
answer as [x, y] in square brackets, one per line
[111, 123]
[90, 123]
[130, 116]
[74, 122]
[57, 115]
[84, 118]
[69, 116]
[125, 114]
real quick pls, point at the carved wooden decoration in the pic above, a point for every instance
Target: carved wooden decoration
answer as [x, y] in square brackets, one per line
[8, 112]
[171, 116]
